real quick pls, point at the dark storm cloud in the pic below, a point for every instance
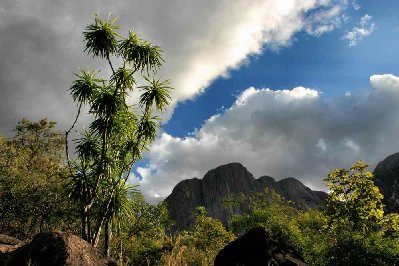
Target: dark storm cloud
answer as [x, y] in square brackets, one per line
[36, 64]
[41, 44]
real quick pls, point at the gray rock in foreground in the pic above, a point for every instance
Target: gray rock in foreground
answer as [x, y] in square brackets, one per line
[221, 182]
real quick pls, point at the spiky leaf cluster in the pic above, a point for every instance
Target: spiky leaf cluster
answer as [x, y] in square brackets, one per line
[117, 135]
[101, 37]
[140, 54]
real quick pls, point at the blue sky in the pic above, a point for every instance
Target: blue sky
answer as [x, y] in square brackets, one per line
[326, 63]
[285, 87]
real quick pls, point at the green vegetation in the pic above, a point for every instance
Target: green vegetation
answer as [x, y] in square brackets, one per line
[118, 134]
[32, 180]
[360, 233]
[352, 230]
[354, 201]
[200, 244]
[142, 239]
[35, 181]
[42, 188]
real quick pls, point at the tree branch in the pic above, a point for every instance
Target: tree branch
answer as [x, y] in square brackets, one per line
[66, 138]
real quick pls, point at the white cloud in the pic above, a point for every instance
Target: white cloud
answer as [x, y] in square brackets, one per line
[366, 27]
[386, 82]
[284, 133]
[355, 5]
[321, 144]
[202, 40]
[233, 31]
[326, 20]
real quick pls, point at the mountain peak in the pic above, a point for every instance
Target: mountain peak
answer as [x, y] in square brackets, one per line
[222, 181]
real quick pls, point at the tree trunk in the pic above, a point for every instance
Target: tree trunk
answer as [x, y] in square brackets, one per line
[83, 224]
[121, 253]
[107, 238]
[95, 237]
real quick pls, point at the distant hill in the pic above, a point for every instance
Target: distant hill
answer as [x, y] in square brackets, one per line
[219, 183]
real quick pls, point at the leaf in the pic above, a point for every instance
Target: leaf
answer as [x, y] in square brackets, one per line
[85, 86]
[101, 37]
[156, 92]
[140, 54]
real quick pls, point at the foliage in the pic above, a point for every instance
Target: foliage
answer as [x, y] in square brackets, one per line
[200, 245]
[117, 135]
[348, 247]
[354, 200]
[32, 177]
[208, 235]
[360, 233]
[352, 230]
[321, 237]
[142, 239]
[298, 229]
[390, 225]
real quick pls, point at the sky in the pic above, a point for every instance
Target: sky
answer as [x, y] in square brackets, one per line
[285, 87]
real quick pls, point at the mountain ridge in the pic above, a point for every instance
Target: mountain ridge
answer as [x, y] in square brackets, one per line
[222, 181]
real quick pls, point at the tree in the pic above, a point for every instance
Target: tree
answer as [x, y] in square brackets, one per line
[209, 234]
[360, 233]
[200, 244]
[32, 177]
[142, 239]
[354, 200]
[352, 230]
[117, 135]
[271, 211]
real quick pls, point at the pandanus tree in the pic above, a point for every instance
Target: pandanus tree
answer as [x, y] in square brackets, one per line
[118, 133]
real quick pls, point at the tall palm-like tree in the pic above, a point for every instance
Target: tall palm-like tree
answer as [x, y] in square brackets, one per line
[116, 137]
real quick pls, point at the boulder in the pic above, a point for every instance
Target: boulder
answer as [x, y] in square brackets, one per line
[56, 249]
[258, 248]
[7, 245]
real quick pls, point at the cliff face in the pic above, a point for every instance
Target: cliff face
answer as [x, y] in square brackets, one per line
[228, 179]
[386, 177]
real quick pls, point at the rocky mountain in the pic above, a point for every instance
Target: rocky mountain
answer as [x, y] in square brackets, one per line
[221, 182]
[386, 177]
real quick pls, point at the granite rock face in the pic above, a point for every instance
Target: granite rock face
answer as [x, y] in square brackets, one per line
[293, 190]
[221, 182]
[386, 177]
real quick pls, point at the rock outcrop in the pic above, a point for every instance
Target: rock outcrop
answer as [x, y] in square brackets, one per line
[56, 249]
[221, 182]
[7, 245]
[386, 177]
[258, 248]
